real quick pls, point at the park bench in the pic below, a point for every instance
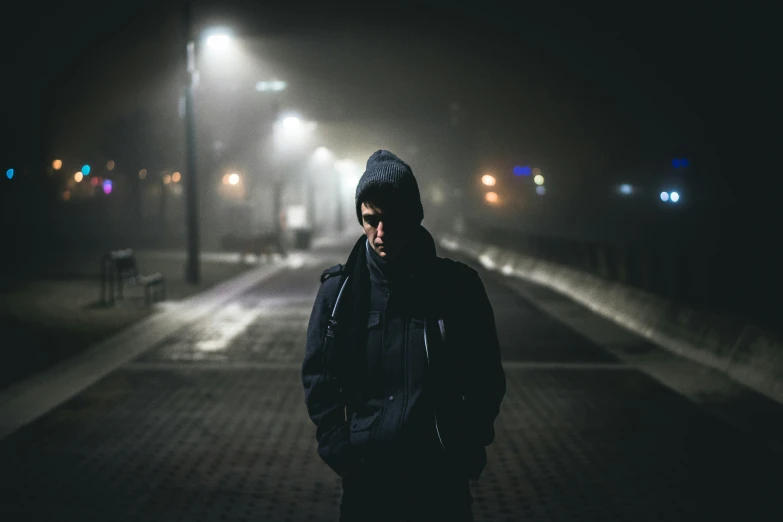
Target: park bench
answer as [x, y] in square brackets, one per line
[119, 268]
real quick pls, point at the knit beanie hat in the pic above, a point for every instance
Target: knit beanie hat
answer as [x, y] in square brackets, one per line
[387, 174]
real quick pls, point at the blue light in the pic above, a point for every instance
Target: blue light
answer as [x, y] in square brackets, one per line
[86, 170]
[675, 197]
[9, 173]
[664, 196]
[626, 189]
[522, 171]
[684, 162]
[676, 163]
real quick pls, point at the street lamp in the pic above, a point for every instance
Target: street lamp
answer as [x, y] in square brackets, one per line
[217, 41]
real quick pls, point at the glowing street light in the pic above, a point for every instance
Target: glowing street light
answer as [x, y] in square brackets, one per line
[626, 189]
[674, 197]
[57, 164]
[219, 41]
[291, 122]
[323, 154]
[664, 196]
[233, 179]
[78, 177]
[539, 179]
[541, 190]
[491, 197]
[273, 85]
[488, 180]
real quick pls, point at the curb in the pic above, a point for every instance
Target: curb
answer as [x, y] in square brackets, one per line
[27, 400]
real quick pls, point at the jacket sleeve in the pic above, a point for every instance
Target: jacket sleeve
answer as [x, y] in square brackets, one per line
[487, 385]
[323, 392]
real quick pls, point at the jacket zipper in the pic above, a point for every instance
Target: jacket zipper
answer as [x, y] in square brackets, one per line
[435, 413]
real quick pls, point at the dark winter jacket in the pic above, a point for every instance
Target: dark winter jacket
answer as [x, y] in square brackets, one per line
[383, 378]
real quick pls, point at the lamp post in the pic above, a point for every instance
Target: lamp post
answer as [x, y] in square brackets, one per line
[193, 271]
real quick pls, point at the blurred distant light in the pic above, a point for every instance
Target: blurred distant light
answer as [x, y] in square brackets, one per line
[675, 197]
[664, 196]
[166, 179]
[225, 179]
[86, 170]
[539, 179]
[684, 162]
[489, 180]
[107, 186]
[272, 85]
[233, 179]
[322, 154]
[541, 190]
[291, 122]
[522, 171]
[57, 164]
[9, 173]
[66, 195]
[491, 197]
[176, 177]
[626, 189]
[78, 177]
[347, 166]
[143, 173]
[536, 171]
[219, 41]
[110, 165]
[94, 182]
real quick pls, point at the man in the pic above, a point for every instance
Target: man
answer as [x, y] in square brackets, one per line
[402, 372]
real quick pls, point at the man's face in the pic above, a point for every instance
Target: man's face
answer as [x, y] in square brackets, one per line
[388, 235]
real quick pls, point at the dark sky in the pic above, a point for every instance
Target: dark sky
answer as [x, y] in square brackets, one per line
[594, 89]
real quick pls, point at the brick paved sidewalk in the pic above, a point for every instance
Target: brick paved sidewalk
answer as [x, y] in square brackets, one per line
[56, 314]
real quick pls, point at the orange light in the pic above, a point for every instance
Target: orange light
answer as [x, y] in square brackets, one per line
[225, 179]
[57, 164]
[110, 165]
[488, 180]
[78, 177]
[166, 179]
[491, 197]
[176, 177]
[66, 195]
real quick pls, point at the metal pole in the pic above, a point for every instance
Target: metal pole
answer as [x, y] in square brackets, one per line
[191, 201]
[338, 198]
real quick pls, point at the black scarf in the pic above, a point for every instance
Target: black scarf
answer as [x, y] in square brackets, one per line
[353, 311]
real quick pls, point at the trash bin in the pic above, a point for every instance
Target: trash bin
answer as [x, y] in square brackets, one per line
[303, 237]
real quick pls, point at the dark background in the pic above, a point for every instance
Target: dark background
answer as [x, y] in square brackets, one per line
[598, 93]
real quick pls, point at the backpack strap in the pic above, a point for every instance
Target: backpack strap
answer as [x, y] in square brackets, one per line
[331, 272]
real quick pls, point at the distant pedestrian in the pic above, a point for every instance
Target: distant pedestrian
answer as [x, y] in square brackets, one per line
[402, 372]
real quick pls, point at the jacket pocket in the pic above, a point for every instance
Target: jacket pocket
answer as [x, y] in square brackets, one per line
[361, 427]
